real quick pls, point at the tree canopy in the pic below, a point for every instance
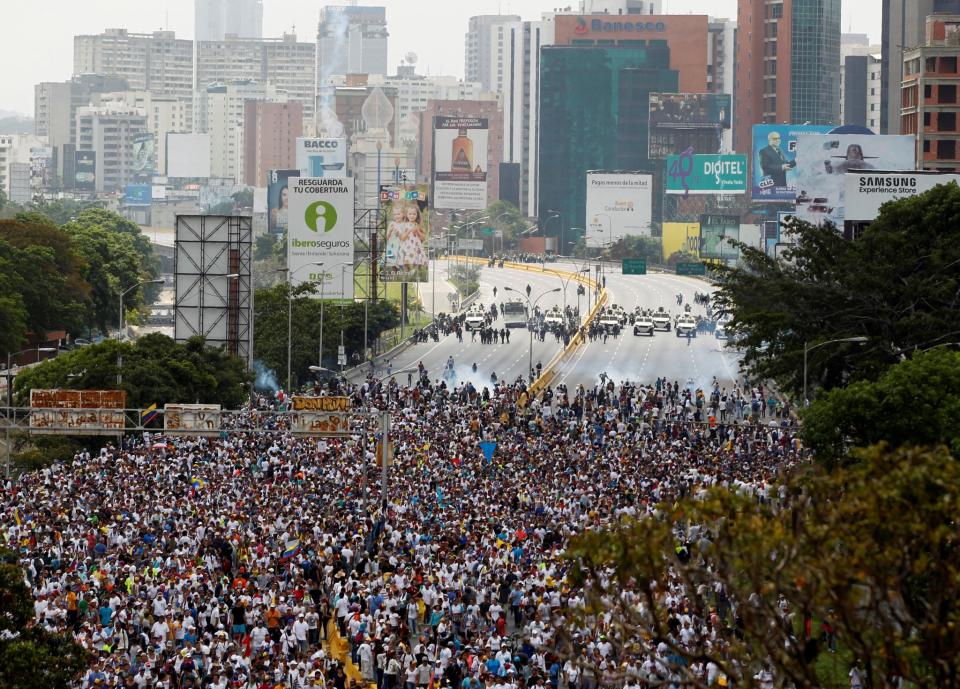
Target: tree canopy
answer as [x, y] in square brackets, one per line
[155, 370]
[897, 285]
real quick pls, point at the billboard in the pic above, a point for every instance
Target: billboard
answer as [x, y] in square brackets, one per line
[865, 192]
[715, 230]
[191, 419]
[699, 122]
[41, 167]
[774, 160]
[460, 162]
[137, 195]
[680, 236]
[823, 160]
[77, 412]
[618, 204]
[144, 154]
[278, 199]
[321, 157]
[706, 174]
[85, 170]
[407, 211]
[320, 230]
[188, 155]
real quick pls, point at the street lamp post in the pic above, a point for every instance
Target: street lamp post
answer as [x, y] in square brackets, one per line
[807, 348]
[290, 274]
[120, 330]
[530, 307]
[9, 419]
[556, 214]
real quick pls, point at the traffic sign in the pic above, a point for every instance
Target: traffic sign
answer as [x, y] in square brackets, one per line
[698, 268]
[487, 231]
[341, 349]
[341, 360]
[634, 266]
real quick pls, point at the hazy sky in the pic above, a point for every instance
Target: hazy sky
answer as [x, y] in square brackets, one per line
[36, 38]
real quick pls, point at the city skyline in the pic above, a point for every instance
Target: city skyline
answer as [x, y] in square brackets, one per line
[444, 54]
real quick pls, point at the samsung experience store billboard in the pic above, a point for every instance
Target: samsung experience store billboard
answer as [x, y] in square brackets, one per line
[867, 191]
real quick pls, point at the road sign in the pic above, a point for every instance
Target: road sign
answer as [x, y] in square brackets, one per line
[341, 349]
[634, 266]
[341, 360]
[487, 231]
[691, 268]
[470, 244]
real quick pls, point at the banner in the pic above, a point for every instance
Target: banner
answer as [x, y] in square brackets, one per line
[823, 160]
[689, 173]
[460, 162]
[321, 231]
[321, 157]
[191, 419]
[137, 195]
[405, 255]
[715, 230]
[680, 236]
[618, 204]
[85, 170]
[278, 199]
[774, 160]
[77, 412]
[144, 154]
[41, 167]
[681, 121]
[865, 192]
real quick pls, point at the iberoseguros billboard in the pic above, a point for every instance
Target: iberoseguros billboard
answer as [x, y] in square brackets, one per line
[320, 230]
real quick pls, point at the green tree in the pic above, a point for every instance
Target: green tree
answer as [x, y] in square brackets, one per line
[634, 247]
[61, 211]
[914, 402]
[898, 285]
[681, 257]
[31, 657]
[155, 370]
[243, 198]
[270, 335]
[871, 548]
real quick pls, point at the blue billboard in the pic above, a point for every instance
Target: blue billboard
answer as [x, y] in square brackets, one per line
[136, 195]
[774, 160]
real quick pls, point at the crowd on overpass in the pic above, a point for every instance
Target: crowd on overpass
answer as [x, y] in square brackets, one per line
[227, 561]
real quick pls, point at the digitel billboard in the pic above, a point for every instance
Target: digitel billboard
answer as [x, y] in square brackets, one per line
[699, 122]
[706, 174]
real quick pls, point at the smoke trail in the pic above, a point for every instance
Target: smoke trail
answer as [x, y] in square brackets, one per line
[338, 26]
[266, 380]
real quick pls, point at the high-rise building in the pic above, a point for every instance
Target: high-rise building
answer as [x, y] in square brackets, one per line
[165, 114]
[483, 109]
[904, 25]
[594, 115]
[158, 62]
[109, 131]
[220, 113]
[484, 50]
[282, 63]
[621, 6]
[270, 132]
[721, 55]
[853, 48]
[215, 19]
[351, 39]
[788, 55]
[930, 104]
[14, 155]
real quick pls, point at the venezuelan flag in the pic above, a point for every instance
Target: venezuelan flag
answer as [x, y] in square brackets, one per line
[149, 414]
[197, 483]
[293, 547]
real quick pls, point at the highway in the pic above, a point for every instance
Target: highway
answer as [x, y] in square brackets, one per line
[627, 357]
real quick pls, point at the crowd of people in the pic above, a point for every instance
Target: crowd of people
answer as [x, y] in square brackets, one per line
[229, 561]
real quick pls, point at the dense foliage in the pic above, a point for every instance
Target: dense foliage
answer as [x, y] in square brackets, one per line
[155, 370]
[898, 285]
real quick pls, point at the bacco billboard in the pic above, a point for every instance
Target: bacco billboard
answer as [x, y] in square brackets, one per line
[321, 157]
[320, 230]
[618, 204]
[867, 191]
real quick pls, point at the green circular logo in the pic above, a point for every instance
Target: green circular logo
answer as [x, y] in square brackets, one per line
[320, 213]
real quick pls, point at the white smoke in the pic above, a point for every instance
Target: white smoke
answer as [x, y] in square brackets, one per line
[338, 27]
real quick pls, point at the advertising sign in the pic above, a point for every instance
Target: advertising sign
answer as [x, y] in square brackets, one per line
[41, 167]
[326, 416]
[405, 255]
[618, 204]
[144, 154]
[321, 231]
[680, 237]
[775, 160]
[865, 192]
[460, 162]
[188, 155]
[321, 157]
[191, 419]
[696, 121]
[278, 199]
[77, 412]
[85, 170]
[823, 160]
[715, 230]
[137, 195]
[706, 174]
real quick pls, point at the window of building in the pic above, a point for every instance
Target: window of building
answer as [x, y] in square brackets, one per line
[926, 119]
[947, 93]
[948, 65]
[946, 149]
[947, 122]
[931, 64]
[927, 91]
[777, 12]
